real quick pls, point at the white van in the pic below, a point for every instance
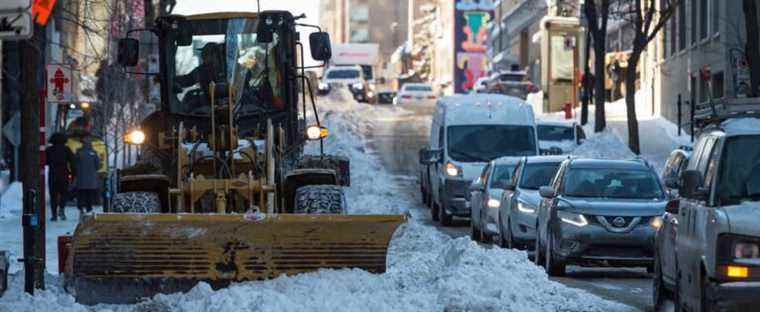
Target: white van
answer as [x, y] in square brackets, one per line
[467, 132]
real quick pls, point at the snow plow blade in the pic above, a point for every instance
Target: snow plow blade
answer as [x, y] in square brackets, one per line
[122, 258]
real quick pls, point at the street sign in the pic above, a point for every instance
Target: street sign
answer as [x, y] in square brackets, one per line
[12, 129]
[15, 19]
[59, 83]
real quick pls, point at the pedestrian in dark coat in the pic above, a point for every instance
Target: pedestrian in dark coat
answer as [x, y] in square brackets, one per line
[59, 159]
[86, 163]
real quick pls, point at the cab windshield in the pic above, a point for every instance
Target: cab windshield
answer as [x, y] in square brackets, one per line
[225, 54]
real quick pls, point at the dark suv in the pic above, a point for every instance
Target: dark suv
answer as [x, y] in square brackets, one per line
[708, 250]
[599, 212]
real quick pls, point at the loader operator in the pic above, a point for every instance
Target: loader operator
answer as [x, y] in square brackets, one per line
[211, 69]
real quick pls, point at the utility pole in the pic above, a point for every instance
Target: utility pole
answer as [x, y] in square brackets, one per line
[32, 58]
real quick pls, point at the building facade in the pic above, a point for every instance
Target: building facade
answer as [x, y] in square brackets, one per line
[703, 34]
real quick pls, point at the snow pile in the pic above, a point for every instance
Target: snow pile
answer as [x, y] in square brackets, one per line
[604, 145]
[11, 201]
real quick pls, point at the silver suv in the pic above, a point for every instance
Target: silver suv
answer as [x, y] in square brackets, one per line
[707, 255]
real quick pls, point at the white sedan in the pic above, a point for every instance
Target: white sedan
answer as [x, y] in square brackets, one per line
[416, 94]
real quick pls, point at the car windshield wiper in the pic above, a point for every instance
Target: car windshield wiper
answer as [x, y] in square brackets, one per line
[471, 156]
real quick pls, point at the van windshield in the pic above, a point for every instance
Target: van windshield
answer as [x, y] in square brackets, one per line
[481, 143]
[343, 74]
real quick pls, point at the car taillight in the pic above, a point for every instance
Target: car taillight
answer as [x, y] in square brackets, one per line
[532, 88]
[431, 97]
[406, 96]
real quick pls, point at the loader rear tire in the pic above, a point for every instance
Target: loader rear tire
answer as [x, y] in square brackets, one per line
[136, 202]
[320, 199]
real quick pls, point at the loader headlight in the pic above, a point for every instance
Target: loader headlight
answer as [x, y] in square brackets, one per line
[316, 132]
[323, 86]
[136, 137]
[656, 222]
[576, 219]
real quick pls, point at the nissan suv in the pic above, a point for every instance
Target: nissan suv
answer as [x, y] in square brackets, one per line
[708, 251]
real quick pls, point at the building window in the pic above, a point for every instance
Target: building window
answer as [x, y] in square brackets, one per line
[682, 26]
[703, 22]
[717, 85]
[693, 8]
[360, 35]
[715, 18]
[360, 13]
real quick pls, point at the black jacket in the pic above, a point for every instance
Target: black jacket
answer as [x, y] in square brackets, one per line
[59, 160]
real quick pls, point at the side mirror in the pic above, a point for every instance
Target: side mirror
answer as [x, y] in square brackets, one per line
[185, 34]
[547, 192]
[320, 46]
[673, 206]
[429, 157]
[691, 184]
[477, 187]
[128, 53]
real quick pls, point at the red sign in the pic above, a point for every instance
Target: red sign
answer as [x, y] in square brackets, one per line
[41, 10]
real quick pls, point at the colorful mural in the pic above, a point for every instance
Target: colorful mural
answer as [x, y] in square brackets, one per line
[472, 18]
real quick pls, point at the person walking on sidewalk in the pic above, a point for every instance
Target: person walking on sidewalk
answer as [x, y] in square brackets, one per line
[58, 158]
[86, 183]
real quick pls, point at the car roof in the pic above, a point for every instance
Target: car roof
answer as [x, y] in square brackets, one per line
[741, 126]
[485, 109]
[555, 123]
[545, 159]
[344, 67]
[506, 160]
[417, 84]
[608, 164]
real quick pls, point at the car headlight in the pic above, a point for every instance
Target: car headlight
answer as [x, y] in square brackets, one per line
[746, 250]
[494, 203]
[576, 219]
[522, 207]
[656, 222]
[323, 86]
[358, 86]
[452, 170]
[136, 137]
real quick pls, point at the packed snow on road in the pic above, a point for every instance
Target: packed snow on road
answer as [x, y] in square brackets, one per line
[427, 270]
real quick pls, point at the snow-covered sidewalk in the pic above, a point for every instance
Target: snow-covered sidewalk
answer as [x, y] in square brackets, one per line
[427, 270]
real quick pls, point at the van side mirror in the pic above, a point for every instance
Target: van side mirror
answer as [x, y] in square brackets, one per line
[691, 185]
[430, 156]
[320, 46]
[128, 52]
[547, 192]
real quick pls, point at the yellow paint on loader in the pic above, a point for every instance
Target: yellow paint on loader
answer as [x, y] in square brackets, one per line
[120, 258]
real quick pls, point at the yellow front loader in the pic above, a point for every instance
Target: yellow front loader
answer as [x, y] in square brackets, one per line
[222, 192]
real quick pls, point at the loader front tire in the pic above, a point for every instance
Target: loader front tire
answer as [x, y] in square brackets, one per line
[136, 202]
[320, 199]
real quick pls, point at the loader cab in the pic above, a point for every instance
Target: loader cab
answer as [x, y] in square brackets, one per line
[246, 60]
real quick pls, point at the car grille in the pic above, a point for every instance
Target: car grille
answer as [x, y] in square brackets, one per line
[613, 251]
[618, 224]
[457, 188]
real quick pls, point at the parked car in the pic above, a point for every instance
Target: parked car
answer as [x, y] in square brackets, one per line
[511, 82]
[676, 163]
[467, 132]
[708, 251]
[351, 77]
[558, 137]
[416, 94]
[485, 197]
[385, 97]
[519, 203]
[599, 212]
